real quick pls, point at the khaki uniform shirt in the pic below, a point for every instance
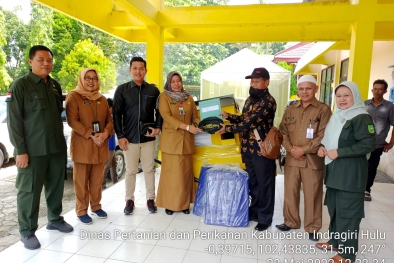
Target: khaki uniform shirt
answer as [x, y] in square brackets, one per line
[295, 122]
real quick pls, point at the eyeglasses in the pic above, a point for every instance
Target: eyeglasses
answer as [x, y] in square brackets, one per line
[87, 78]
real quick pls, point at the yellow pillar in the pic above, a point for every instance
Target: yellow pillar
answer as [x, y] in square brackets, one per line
[361, 45]
[155, 55]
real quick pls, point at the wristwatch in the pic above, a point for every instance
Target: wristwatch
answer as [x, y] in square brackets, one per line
[91, 135]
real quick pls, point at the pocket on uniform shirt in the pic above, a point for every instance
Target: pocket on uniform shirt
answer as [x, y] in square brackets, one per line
[37, 102]
[291, 125]
[24, 180]
[352, 205]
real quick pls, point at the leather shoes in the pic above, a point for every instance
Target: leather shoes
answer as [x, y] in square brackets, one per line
[284, 227]
[186, 211]
[169, 212]
[261, 227]
[338, 259]
[326, 246]
[313, 236]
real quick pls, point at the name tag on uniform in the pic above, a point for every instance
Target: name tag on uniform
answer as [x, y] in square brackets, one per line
[96, 126]
[309, 133]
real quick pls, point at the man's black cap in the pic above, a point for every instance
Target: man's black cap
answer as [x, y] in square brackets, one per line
[259, 73]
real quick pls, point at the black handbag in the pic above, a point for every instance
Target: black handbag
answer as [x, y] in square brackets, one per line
[144, 128]
[211, 124]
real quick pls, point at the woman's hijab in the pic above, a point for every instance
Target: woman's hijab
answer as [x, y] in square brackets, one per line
[178, 96]
[340, 117]
[86, 94]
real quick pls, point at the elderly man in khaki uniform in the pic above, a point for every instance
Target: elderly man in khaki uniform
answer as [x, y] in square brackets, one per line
[303, 126]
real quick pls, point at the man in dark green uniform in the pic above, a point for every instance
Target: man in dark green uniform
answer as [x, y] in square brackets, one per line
[34, 106]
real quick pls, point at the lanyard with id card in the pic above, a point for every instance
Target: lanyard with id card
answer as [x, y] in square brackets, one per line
[95, 124]
[309, 131]
[181, 110]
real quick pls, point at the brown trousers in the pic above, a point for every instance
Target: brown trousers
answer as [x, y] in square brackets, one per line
[312, 185]
[87, 186]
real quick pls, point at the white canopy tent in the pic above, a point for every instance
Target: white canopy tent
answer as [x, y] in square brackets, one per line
[228, 77]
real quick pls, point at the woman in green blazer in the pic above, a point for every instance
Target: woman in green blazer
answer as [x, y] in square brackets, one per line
[348, 138]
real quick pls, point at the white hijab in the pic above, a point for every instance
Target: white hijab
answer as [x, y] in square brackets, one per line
[339, 118]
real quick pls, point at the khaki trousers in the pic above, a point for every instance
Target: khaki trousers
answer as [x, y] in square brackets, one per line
[312, 185]
[87, 186]
[144, 152]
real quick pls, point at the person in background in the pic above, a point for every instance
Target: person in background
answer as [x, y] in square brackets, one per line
[176, 186]
[110, 164]
[135, 106]
[90, 119]
[258, 113]
[34, 107]
[302, 127]
[382, 113]
[348, 138]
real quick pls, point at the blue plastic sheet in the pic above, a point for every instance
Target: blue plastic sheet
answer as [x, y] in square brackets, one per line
[199, 203]
[223, 196]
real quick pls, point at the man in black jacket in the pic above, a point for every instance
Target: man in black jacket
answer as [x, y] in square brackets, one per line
[134, 107]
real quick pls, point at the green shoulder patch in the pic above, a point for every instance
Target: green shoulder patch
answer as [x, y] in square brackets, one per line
[371, 129]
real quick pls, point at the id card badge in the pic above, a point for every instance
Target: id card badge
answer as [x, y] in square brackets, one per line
[309, 133]
[181, 110]
[96, 126]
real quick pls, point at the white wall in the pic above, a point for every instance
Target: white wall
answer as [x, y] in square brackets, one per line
[382, 57]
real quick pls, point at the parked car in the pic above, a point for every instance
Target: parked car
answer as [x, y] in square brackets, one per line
[6, 148]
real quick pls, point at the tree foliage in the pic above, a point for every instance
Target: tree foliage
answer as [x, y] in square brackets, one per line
[41, 21]
[66, 33]
[17, 38]
[62, 33]
[5, 79]
[86, 54]
[293, 81]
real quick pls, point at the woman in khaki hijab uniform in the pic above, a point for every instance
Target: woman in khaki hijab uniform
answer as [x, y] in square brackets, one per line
[176, 186]
[91, 122]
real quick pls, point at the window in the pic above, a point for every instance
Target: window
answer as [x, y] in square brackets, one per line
[327, 78]
[344, 70]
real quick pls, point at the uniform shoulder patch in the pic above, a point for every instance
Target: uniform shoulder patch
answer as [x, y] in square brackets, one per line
[9, 96]
[371, 129]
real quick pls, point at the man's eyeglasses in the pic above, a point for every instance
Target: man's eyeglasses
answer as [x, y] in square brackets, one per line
[87, 78]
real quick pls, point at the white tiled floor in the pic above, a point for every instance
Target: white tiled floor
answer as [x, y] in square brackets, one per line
[102, 241]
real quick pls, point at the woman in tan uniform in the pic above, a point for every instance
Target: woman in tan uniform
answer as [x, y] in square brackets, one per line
[91, 122]
[176, 186]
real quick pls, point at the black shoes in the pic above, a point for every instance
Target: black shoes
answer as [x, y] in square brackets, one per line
[31, 242]
[261, 227]
[284, 227]
[169, 212]
[63, 227]
[313, 236]
[151, 206]
[128, 210]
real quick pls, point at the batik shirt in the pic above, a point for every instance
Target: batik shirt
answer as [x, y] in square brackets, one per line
[258, 113]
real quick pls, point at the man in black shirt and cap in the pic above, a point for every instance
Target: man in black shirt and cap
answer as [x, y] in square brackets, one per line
[258, 113]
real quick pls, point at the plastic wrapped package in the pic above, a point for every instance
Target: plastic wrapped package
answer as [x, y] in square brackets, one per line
[199, 202]
[224, 190]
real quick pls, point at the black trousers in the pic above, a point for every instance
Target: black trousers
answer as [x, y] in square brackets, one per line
[261, 173]
[373, 163]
